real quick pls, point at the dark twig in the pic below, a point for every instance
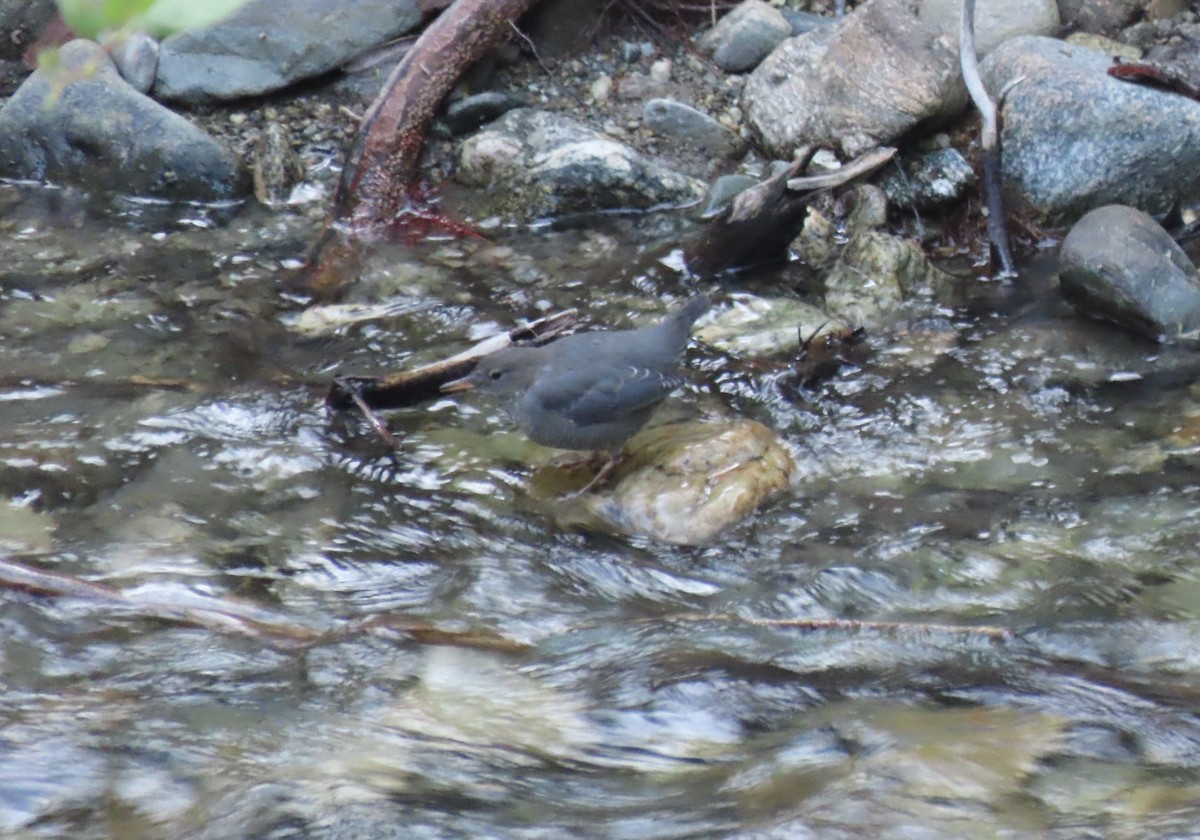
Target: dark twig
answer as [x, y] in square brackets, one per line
[997, 223]
[346, 386]
[410, 387]
[813, 624]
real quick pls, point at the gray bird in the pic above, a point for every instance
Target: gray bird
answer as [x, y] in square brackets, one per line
[591, 390]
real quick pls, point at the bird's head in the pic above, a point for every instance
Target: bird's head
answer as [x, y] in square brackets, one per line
[505, 373]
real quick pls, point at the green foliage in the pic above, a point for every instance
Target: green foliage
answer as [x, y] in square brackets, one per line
[90, 18]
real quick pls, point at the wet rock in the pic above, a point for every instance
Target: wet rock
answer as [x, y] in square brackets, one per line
[468, 114]
[1075, 138]
[537, 164]
[691, 127]
[275, 166]
[929, 180]
[818, 242]
[1119, 263]
[136, 57]
[687, 482]
[745, 36]
[995, 20]
[864, 81]
[100, 133]
[870, 210]
[875, 272]
[257, 49]
[758, 326]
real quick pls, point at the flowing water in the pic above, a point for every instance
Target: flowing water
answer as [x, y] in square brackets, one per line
[295, 635]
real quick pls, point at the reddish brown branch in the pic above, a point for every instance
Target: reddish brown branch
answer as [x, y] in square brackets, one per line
[382, 162]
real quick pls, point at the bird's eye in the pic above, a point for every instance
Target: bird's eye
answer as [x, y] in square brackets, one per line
[495, 373]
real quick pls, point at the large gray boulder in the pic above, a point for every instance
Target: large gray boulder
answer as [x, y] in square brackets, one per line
[865, 81]
[1075, 138]
[82, 124]
[267, 45]
[1120, 264]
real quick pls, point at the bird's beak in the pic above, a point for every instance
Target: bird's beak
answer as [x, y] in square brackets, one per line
[456, 385]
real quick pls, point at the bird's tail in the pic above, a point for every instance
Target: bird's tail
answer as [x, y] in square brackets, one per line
[693, 309]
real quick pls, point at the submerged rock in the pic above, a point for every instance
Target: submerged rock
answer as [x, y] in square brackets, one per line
[82, 124]
[1075, 138]
[688, 482]
[275, 165]
[869, 275]
[261, 48]
[875, 75]
[758, 326]
[538, 164]
[1119, 263]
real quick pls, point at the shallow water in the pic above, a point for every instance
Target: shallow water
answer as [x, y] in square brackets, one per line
[305, 638]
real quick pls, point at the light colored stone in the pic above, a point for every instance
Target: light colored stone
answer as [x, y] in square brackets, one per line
[758, 326]
[685, 483]
[863, 82]
[995, 20]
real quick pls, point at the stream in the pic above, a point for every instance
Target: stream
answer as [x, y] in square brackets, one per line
[1005, 496]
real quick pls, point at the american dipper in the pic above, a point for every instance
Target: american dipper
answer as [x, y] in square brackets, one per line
[590, 390]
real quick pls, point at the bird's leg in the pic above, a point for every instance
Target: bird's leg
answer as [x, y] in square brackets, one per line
[605, 472]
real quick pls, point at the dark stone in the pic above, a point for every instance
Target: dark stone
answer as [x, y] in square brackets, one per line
[21, 23]
[260, 48]
[745, 36]
[99, 133]
[689, 126]
[1102, 17]
[1118, 263]
[465, 115]
[929, 180]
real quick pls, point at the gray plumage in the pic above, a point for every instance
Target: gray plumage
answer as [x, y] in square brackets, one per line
[590, 390]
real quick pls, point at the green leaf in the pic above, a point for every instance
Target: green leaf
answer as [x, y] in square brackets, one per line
[90, 18]
[166, 16]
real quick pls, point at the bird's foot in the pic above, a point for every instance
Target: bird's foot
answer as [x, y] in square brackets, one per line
[604, 473]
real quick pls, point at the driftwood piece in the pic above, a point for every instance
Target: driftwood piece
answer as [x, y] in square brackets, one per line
[989, 140]
[410, 387]
[382, 162]
[762, 221]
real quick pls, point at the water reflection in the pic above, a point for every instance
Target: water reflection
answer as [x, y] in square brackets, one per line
[475, 662]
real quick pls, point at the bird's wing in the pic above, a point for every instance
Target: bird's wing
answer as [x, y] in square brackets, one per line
[607, 396]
